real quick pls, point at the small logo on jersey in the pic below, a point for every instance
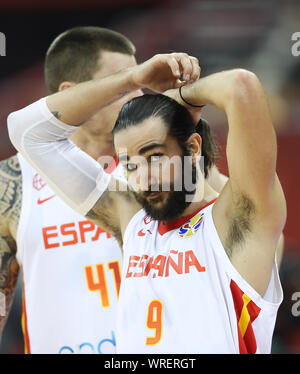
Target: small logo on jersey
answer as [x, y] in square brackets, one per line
[38, 182]
[41, 201]
[143, 232]
[191, 226]
[147, 220]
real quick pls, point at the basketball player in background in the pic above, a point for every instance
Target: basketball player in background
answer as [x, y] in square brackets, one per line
[200, 272]
[71, 268]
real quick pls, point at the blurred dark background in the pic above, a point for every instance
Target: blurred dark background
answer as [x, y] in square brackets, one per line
[223, 34]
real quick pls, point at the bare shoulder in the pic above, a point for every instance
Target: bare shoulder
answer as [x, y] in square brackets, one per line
[114, 209]
[10, 192]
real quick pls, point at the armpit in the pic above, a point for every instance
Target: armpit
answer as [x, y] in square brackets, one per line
[240, 223]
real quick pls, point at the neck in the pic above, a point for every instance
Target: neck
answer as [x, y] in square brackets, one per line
[203, 195]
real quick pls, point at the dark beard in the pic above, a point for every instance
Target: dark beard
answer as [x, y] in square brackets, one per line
[173, 207]
[175, 204]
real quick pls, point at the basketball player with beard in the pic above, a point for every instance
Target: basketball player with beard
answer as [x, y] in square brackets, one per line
[202, 278]
[92, 258]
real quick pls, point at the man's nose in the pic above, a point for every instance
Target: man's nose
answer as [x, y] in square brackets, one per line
[147, 180]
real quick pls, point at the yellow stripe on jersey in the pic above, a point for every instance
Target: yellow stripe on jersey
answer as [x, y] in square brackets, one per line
[245, 316]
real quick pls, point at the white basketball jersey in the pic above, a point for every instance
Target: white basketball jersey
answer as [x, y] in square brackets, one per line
[181, 294]
[71, 274]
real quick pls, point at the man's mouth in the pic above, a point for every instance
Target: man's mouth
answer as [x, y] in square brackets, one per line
[153, 195]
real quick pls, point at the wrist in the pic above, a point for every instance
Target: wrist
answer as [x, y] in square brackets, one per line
[187, 100]
[131, 77]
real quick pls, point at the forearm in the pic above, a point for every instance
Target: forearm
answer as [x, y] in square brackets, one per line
[78, 103]
[251, 143]
[41, 131]
[216, 89]
[43, 141]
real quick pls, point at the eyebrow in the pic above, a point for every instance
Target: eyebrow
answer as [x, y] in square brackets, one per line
[150, 147]
[142, 151]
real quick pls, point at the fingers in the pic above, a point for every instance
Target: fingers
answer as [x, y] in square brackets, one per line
[183, 67]
[189, 66]
[186, 66]
[166, 71]
[178, 83]
[196, 69]
[174, 65]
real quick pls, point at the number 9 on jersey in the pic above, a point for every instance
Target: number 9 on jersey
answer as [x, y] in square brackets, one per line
[154, 321]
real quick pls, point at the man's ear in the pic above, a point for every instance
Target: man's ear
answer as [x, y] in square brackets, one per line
[65, 85]
[194, 144]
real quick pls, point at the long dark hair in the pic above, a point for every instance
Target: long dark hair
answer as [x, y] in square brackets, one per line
[177, 118]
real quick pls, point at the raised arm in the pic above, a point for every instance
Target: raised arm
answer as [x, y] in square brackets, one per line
[250, 212]
[41, 131]
[10, 204]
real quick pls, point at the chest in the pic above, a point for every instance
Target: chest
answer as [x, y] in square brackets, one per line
[151, 253]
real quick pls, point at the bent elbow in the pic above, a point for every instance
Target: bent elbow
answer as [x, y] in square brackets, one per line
[245, 84]
[245, 76]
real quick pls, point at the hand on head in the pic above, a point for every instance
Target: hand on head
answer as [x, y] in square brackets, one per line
[163, 72]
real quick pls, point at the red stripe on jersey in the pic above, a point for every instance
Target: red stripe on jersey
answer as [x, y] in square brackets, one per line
[24, 321]
[246, 312]
[172, 225]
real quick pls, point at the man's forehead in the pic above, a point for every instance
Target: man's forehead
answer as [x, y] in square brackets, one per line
[136, 140]
[112, 62]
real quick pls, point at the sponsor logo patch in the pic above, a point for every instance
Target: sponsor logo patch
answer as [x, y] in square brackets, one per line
[191, 226]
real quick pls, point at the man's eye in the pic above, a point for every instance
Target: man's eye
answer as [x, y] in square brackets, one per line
[131, 167]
